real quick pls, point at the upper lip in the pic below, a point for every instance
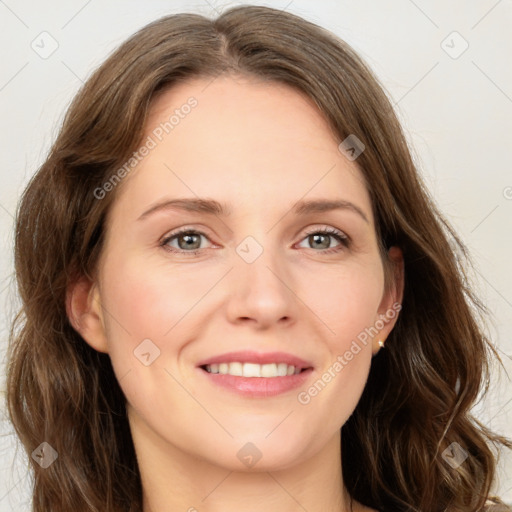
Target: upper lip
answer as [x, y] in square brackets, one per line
[248, 356]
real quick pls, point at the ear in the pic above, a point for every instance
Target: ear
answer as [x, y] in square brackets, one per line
[83, 307]
[392, 300]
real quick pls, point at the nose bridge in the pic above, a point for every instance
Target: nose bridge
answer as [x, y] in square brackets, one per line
[262, 285]
[258, 257]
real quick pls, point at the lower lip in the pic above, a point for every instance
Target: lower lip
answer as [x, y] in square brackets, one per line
[259, 386]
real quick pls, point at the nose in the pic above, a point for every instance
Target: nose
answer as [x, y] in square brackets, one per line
[262, 289]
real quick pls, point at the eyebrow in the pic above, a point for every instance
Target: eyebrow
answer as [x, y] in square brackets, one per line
[213, 207]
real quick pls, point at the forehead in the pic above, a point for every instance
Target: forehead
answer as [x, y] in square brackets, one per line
[243, 141]
[269, 112]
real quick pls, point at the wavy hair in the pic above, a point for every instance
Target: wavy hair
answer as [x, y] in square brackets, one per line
[420, 389]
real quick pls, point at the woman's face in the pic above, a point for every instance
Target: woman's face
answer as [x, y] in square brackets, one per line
[259, 279]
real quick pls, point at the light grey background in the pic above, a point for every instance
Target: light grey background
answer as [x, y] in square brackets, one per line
[455, 106]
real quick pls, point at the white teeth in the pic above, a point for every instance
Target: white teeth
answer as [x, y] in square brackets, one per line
[283, 368]
[253, 369]
[236, 369]
[269, 370]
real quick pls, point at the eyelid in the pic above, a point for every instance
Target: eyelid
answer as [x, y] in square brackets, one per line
[177, 231]
[329, 229]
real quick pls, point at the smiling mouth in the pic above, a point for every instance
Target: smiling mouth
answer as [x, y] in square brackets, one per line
[238, 369]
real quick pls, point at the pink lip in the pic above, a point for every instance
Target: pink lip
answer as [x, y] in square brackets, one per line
[248, 356]
[258, 386]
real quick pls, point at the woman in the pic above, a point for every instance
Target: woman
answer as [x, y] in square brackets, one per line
[253, 370]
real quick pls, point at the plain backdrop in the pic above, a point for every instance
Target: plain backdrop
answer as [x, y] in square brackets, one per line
[446, 66]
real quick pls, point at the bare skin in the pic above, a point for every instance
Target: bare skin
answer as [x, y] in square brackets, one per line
[259, 147]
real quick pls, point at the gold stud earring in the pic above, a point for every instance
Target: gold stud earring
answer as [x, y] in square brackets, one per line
[381, 344]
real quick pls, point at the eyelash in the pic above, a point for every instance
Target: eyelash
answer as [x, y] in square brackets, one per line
[344, 240]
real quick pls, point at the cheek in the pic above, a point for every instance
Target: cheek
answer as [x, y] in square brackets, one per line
[146, 311]
[346, 302]
[347, 305]
[148, 302]
[155, 300]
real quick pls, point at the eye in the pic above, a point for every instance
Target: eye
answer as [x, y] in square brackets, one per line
[320, 238]
[191, 241]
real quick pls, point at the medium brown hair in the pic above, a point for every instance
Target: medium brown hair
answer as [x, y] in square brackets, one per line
[420, 389]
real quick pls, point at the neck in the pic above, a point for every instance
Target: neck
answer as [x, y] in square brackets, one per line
[175, 480]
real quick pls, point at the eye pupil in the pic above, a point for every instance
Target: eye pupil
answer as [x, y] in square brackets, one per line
[326, 238]
[189, 240]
